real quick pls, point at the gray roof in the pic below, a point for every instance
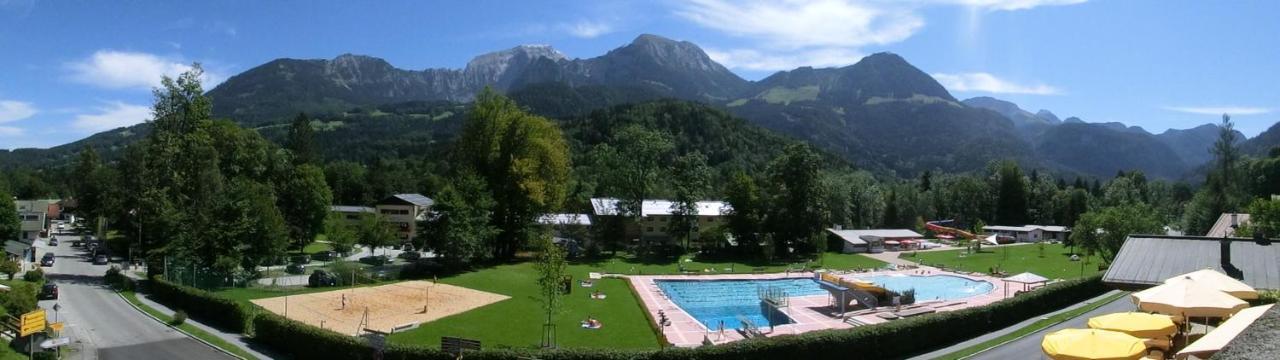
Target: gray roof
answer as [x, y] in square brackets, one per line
[609, 207]
[858, 237]
[411, 199]
[1223, 228]
[1261, 340]
[565, 219]
[1147, 260]
[15, 248]
[351, 209]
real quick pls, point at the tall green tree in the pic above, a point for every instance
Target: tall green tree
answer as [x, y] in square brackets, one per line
[374, 232]
[341, 233]
[798, 213]
[638, 158]
[1104, 231]
[1222, 191]
[691, 178]
[1011, 201]
[347, 182]
[9, 223]
[524, 160]
[459, 230]
[1264, 219]
[255, 224]
[551, 267]
[747, 211]
[301, 142]
[304, 199]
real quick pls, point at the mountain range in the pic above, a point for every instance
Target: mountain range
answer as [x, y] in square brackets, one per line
[881, 113]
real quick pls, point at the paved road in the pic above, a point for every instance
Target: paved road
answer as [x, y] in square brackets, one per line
[1029, 347]
[100, 324]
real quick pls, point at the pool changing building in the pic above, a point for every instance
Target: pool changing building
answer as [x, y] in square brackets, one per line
[1029, 233]
[870, 240]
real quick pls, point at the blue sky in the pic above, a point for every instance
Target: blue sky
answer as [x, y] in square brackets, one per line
[70, 69]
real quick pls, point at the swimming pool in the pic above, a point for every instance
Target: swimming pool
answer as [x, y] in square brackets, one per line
[713, 301]
[932, 287]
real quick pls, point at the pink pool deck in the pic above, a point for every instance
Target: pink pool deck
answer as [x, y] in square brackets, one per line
[808, 313]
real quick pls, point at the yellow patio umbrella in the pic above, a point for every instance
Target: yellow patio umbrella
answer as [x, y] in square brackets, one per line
[1217, 280]
[1142, 325]
[1188, 299]
[1091, 344]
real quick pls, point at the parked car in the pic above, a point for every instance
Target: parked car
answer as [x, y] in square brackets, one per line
[47, 260]
[49, 291]
[295, 269]
[101, 259]
[320, 278]
[53, 241]
[324, 256]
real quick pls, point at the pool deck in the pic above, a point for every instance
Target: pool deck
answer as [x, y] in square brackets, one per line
[808, 313]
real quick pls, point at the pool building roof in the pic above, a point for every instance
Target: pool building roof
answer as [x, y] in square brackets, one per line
[1147, 260]
[610, 207]
[859, 237]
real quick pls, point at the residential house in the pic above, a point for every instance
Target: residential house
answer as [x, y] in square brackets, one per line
[871, 240]
[1227, 224]
[654, 221]
[34, 215]
[1147, 260]
[351, 214]
[20, 251]
[404, 211]
[1030, 233]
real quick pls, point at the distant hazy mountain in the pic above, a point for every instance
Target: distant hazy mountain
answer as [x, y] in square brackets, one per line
[1194, 144]
[285, 86]
[880, 113]
[1264, 142]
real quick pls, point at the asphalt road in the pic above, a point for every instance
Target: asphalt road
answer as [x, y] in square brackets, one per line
[1029, 347]
[99, 323]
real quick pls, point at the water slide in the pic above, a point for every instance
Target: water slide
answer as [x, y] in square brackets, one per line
[847, 292]
[936, 228]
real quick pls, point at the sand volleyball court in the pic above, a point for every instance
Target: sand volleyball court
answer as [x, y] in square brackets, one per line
[397, 305]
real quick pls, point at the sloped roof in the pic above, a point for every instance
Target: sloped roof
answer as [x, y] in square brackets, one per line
[15, 247]
[1222, 228]
[351, 209]
[609, 207]
[1026, 278]
[858, 237]
[565, 219]
[1147, 260]
[408, 199]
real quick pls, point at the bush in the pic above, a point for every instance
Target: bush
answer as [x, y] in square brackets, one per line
[422, 269]
[376, 260]
[410, 255]
[908, 297]
[216, 310]
[321, 278]
[113, 275]
[20, 298]
[345, 272]
[302, 341]
[179, 317]
[34, 276]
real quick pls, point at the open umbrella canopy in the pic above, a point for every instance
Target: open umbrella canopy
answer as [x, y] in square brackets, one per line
[1143, 325]
[1217, 280]
[1093, 344]
[1188, 299]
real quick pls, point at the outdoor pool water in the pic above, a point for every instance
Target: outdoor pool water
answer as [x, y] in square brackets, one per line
[932, 287]
[713, 301]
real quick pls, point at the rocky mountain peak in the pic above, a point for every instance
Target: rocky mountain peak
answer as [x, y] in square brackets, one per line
[1048, 116]
[669, 53]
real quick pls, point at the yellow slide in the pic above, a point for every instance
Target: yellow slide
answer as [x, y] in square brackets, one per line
[854, 284]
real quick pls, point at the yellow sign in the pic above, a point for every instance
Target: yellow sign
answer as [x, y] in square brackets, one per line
[32, 322]
[56, 327]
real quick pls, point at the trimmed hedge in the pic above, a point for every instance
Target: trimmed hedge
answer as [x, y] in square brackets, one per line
[898, 339]
[216, 310]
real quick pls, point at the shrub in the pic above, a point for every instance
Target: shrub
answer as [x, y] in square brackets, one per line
[410, 255]
[112, 277]
[422, 269]
[179, 317]
[321, 278]
[908, 297]
[20, 298]
[345, 272]
[216, 310]
[34, 276]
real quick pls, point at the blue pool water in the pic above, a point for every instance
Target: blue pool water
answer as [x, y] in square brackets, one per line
[943, 287]
[713, 301]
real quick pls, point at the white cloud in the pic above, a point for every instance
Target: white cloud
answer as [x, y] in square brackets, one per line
[1219, 110]
[11, 110]
[792, 33]
[587, 29]
[115, 114]
[751, 59]
[123, 70]
[799, 24]
[10, 131]
[1010, 5]
[985, 82]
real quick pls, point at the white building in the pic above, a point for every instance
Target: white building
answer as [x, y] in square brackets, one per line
[654, 220]
[1030, 233]
[872, 240]
[403, 212]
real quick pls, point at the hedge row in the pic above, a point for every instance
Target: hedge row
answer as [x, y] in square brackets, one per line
[216, 310]
[898, 339]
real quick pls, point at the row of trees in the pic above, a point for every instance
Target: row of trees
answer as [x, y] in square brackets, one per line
[204, 192]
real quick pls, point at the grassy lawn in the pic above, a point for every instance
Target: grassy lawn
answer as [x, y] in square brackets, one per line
[1054, 264]
[630, 265]
[1034, 327]
[517, 322]
[316, 247]
[190, 329]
